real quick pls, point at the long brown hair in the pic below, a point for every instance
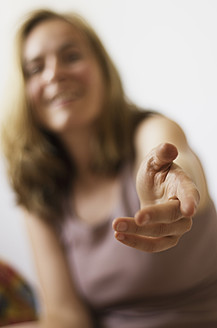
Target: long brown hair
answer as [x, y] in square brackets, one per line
[39, 168]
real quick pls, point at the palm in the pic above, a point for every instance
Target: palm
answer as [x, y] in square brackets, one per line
[168, 200]
[153, 177]
[160, 180]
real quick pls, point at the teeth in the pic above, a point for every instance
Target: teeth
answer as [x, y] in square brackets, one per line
[62, 98]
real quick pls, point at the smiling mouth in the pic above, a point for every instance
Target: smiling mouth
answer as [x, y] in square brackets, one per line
[64, 99]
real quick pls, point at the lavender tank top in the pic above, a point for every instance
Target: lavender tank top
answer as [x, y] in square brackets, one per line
[128, 288]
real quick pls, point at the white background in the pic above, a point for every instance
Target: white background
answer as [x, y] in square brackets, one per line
[166, 52]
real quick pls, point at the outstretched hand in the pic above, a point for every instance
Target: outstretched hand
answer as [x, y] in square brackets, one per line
[168, 199]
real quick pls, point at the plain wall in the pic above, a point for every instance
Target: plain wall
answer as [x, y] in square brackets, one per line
[166, 53]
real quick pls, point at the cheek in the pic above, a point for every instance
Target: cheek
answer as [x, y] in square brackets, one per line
[33, 92]
[85, 73]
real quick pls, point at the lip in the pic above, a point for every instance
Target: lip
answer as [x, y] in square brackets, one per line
[64, 99]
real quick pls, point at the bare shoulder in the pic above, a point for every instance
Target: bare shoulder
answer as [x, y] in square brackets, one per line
[158, 129]
[38, 227]
[43, 237]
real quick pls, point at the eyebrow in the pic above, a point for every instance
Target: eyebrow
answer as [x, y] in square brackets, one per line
[68, 45]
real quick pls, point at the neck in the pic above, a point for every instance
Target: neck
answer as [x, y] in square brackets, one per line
[79, 147]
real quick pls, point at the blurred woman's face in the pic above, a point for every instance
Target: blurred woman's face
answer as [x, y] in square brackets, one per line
[64, 82]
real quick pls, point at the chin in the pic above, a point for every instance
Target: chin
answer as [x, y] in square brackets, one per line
[67, 122]
[66, 127]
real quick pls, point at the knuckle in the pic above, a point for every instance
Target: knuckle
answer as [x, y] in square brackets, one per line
[151, 164]
[160, 230]
[175, 213]
[175, 240]
[132, 243]
[186, 224]
[189, 224]
[138, 230]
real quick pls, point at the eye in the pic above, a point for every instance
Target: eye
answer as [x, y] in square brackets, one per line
[33, 70]
[71, 57]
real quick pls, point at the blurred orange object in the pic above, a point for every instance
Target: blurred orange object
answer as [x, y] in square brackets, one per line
[17, 301]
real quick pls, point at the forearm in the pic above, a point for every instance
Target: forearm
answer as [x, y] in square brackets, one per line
[66, 318]
[42, 324]
[59, 302]
[32, 324]
[55, 321]
[71, 321]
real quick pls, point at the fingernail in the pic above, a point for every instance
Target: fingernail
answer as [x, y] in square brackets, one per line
[147, 217]
[122, 226]
[138, 218]
[120, 236]
[142, 219]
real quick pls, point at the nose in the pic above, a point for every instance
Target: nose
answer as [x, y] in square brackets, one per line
[52, 71]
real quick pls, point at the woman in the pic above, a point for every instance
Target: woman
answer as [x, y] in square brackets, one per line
[85, 161]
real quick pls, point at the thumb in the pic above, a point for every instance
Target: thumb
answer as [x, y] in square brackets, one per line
[158, 160]
[163, 156]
